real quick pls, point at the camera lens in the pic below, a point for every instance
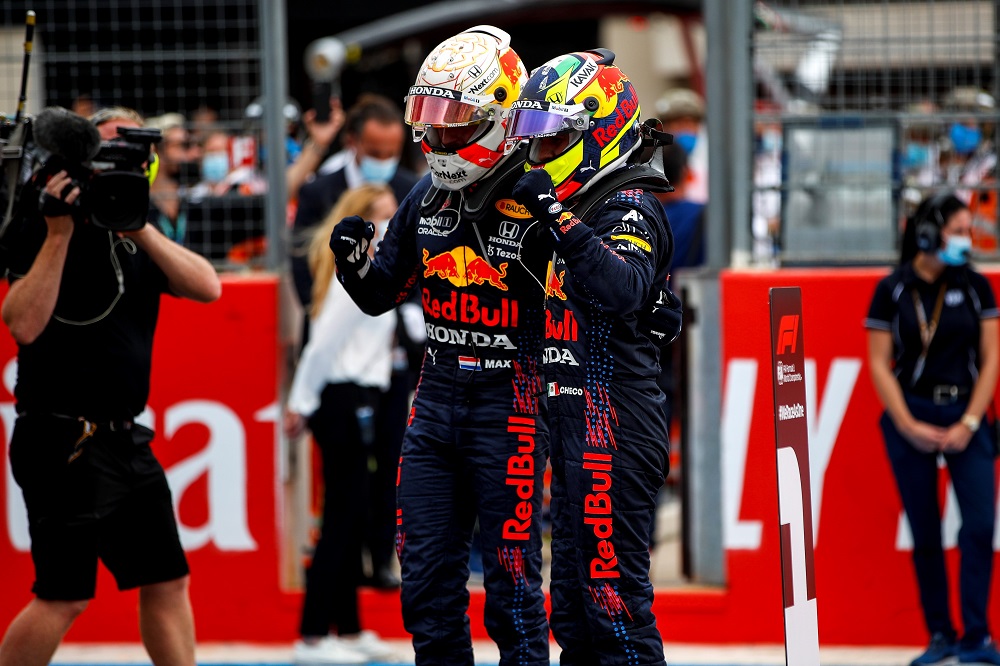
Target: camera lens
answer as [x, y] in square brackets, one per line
[119, 200]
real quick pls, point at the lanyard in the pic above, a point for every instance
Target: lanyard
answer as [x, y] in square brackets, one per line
[927, 328]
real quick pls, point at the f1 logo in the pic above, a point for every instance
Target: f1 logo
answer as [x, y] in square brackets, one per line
[788, 334]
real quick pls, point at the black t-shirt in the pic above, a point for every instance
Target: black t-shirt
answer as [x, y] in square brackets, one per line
[99, 366]
[953, 355]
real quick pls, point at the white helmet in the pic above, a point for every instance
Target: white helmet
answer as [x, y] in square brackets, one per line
[458, 104]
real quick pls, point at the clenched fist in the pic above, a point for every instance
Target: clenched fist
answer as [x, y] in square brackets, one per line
[534, 191]
[349, 242]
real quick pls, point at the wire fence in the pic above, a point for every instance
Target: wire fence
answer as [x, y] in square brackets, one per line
[863, 108]
[193, 68]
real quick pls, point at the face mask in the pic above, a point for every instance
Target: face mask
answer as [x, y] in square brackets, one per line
[214, 167]
[686, 140]
[380, 227]
[965, 139]
[917, 155]
[770, 142]
[378, 171]
[956, 250]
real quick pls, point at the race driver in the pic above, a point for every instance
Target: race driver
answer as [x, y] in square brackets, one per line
[476, 445]
[585, 183]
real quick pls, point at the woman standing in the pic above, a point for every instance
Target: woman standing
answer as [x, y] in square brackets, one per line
[933, 351]
[340, 376]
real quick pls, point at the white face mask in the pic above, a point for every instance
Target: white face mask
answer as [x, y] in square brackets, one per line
[380, 227]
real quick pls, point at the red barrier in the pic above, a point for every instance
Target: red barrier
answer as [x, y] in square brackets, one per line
[214, 406]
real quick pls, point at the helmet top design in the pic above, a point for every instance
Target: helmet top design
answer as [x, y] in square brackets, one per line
[458, 104]
[587, 111]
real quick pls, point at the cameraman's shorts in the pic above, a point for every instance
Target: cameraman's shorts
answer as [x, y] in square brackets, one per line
[105, 497]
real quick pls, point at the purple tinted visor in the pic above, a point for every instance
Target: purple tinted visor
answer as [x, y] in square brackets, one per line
[426, 110]
[526, 123]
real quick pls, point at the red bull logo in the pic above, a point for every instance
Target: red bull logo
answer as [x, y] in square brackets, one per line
[511, 66]
[443, 265]
[566, 330]
[611, 80]
[462, 266]
[607, 134]
[469, 310]
[554, 284]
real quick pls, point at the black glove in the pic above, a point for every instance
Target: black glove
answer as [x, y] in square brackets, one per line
[661, 317]
[534, 191]
[349, 242]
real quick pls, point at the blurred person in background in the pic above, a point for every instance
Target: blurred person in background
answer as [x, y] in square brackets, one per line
[204, 120]
[476, 443]
[682, 111]
[765, 223]
[84, 105]
[687, 222]
[179, 157]
[93, 489]
[319, 138]
[292, 114]
[934, 354]
[590, 192]
[215, 166]
[336, 394]
[374, 141]
[973, 167]
[971, 140]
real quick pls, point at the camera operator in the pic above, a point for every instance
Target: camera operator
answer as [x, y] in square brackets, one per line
[83, 306]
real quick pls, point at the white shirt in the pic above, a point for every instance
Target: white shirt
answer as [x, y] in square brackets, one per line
[340, 160]
[345, 346]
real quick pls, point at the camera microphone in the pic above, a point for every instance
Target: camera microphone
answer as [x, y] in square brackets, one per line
[69, 135]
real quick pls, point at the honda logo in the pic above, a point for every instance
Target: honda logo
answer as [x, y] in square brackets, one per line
[509, 229]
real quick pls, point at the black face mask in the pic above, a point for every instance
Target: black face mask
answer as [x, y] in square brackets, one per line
[188, 173]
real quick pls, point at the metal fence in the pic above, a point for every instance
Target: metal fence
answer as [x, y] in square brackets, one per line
[863, 108]
[191, 67]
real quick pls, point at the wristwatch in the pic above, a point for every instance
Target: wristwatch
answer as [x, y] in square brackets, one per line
[971, 422]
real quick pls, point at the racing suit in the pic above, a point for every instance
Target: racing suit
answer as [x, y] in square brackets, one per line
[476, 444]
[608, 432]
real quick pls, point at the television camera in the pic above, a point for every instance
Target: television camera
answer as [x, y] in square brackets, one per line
[112, 175]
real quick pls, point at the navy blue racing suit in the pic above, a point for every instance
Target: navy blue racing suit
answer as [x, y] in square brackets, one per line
[608, 432]
[476, 443]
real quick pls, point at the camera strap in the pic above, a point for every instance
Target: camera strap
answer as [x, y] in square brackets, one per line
[130, 247]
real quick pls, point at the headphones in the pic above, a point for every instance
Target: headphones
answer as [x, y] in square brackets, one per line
[928, 227]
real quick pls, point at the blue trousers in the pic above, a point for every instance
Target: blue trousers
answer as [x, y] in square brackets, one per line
[972, 475]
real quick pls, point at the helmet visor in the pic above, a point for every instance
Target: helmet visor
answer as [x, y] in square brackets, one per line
[426, 105]
[542, 118]
[451, 139]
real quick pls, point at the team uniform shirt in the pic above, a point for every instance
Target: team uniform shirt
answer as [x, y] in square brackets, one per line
[476, 444]
[93, 358]
[953, 354]
[93, 489]
[608, 432]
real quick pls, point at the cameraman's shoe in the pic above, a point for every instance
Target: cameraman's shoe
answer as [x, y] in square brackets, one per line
[941, 650]
[984, 652]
